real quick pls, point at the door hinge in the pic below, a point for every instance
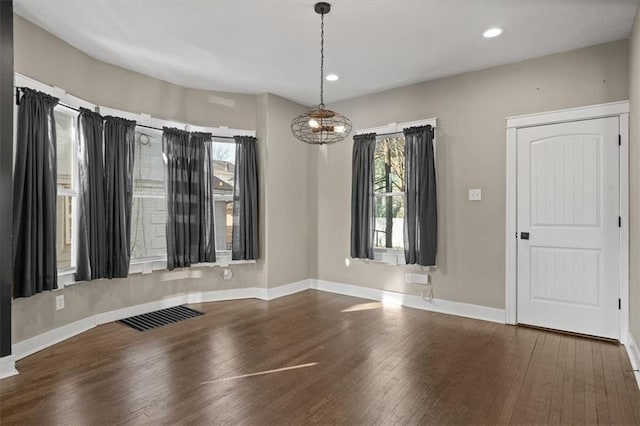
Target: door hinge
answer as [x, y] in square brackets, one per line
[619, 221]
[619, 140]
[619, 304]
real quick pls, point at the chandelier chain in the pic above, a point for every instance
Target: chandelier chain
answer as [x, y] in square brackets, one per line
[322, 62]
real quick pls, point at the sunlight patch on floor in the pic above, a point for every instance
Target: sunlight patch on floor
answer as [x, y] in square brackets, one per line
[261, 373]
[363, 307]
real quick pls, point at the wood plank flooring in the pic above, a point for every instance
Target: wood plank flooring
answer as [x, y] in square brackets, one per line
[321, 358]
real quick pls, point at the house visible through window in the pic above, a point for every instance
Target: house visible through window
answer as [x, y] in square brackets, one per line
[149, 208]
[388, 186]
[224, 164]
[67, 191]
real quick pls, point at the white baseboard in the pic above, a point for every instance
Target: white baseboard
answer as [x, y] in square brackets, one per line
[57, 335]
[484, 313]
[222, 295]
[37, 343]
[8, 366]
[44, 340]
[287, 289]
[130, 311]
[634, 355]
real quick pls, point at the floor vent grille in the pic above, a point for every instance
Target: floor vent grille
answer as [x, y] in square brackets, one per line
[159, 318]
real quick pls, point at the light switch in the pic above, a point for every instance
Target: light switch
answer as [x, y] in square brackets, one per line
[475, 194]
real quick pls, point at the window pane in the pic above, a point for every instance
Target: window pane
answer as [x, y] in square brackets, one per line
[224, 161]
[389, 227]
[64, 236]
[65, 133]
[389, 165]
[148, 166]
[224, 224]
[148, 232]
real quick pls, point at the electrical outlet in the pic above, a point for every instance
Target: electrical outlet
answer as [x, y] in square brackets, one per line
[59, 302]
[421, 279]
[475, 194]
[416, 279]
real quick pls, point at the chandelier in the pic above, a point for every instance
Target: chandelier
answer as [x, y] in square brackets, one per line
[321, 126]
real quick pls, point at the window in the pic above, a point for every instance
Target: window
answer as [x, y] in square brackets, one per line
[67, 191]
[223, 156]
[149, 208]
[388, 186]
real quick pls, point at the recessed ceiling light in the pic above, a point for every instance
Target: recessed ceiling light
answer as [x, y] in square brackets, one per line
[332, 77]
[492, 32]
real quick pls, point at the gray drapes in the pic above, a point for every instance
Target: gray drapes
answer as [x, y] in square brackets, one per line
[421, 220]
[34, 196]
[189, 193]
[119, 137]
[104, 196]
[245, 243]
[362, 196]
[91, 259]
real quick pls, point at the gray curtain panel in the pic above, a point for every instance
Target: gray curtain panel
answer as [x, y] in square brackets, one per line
[119, 135]
[362, 196]
[245, 243]
[34, 196]
[91, 251]
[206, 236]
[189, 193]
[420, 217]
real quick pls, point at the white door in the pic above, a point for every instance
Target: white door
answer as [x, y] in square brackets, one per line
[568, 204]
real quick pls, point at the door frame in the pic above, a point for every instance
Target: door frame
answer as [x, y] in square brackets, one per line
[612, 109]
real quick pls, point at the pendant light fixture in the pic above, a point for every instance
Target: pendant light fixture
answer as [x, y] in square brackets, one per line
[321, 126]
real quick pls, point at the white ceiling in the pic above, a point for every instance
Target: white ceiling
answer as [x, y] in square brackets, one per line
[257, 46]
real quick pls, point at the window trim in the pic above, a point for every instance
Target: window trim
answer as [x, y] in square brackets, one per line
[392, 128]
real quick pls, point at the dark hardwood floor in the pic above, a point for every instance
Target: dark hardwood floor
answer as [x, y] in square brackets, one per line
[322, 358]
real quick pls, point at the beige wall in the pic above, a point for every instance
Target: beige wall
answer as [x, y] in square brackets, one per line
[634, 181]
[41, 56]
[471, 110]
[287, 204]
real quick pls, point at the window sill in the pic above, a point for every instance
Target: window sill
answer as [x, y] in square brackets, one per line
[389, 256]
[392, 257]
[66, 277]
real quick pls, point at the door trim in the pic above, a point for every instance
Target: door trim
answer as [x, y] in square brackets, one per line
[613, 109]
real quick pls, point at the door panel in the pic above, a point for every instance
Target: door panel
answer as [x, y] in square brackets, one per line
[568, 202]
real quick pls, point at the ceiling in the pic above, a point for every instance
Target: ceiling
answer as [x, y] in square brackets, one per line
[257, 46]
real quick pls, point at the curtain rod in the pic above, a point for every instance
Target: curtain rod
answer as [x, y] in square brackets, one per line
[137, 125]
[399, 132]
[159, 129]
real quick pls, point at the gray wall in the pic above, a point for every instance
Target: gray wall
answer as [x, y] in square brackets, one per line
[634, 182]
[471, 110]
[42, 56]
